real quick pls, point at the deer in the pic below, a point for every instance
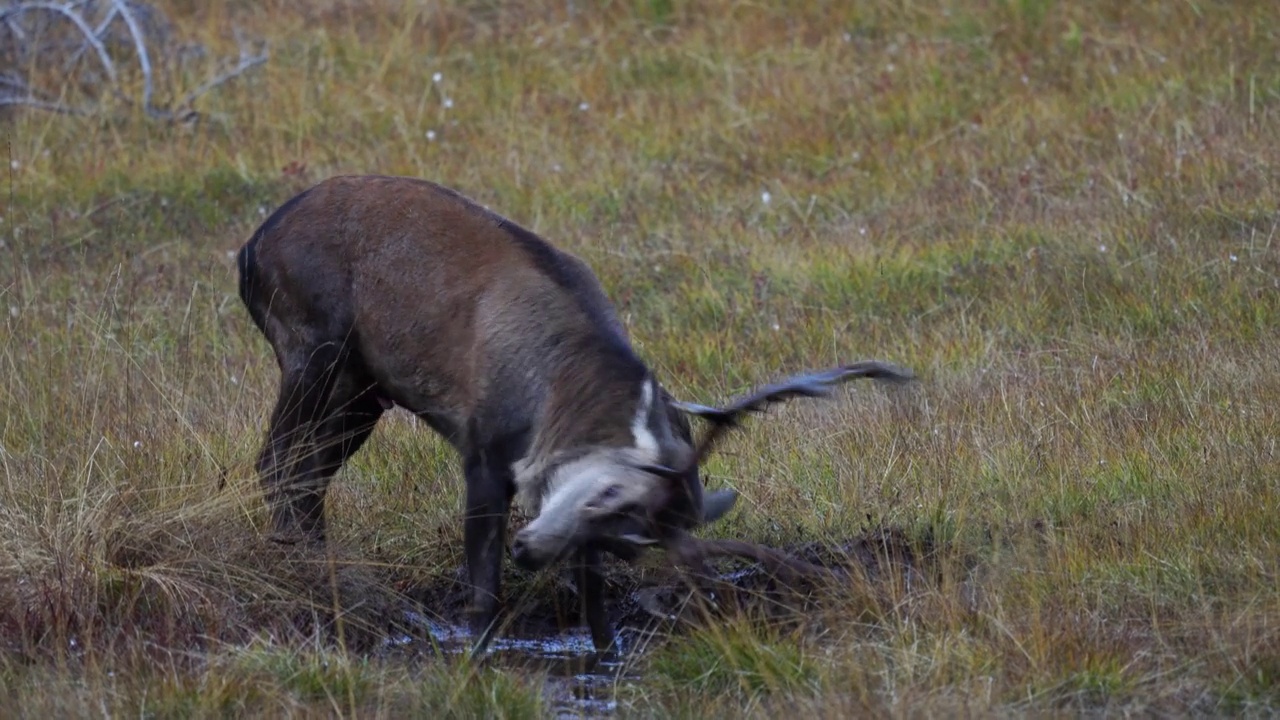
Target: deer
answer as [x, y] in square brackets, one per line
[376, 292]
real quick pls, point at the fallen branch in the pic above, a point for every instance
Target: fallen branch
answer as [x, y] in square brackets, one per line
[98, 32]
[92, 35]
[144, 59]
[37, 103]
[246, 63]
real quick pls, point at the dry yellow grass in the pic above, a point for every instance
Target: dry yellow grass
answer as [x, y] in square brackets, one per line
[1063, 216]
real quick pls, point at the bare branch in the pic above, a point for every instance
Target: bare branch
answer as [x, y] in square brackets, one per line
[144, 60]
[97, 33]
[35, 102]
[247, 62]
[8, 18]
[19, 94]
[9, 80]
[146, 30]
[66, 11]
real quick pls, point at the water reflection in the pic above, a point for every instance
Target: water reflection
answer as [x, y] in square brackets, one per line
[580, 682]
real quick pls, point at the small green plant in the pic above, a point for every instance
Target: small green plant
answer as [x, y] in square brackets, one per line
[1099, 680]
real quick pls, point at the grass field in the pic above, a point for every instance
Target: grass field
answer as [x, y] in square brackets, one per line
[1061, 215]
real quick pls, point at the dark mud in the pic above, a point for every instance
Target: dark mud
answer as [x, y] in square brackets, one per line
[377, 609]
[541, 631]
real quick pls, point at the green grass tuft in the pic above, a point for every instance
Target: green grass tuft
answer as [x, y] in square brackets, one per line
[732, 660]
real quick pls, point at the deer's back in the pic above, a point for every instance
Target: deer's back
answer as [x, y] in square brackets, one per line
[452, 308]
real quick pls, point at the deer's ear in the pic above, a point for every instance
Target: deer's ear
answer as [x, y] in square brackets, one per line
[717, 503]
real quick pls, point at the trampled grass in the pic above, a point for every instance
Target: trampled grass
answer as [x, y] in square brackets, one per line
[1063, 216]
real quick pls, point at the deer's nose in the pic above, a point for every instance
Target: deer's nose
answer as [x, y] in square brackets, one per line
[520, 553]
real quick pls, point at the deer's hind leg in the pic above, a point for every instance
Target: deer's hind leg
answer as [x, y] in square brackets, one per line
[327, 408]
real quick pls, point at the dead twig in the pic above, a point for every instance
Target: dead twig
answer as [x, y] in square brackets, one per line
[247, 62]
[144, 59]
[92, 38]
[90, 24]
[37, 103]
[98, 32]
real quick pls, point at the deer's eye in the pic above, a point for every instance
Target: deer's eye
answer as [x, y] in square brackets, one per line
[602, 497]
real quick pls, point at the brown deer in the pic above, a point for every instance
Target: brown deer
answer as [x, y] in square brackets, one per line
[380, 291]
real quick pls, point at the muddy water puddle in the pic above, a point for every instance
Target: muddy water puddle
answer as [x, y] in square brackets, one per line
[579, 682]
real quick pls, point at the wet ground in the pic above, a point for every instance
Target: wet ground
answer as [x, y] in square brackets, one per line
[581, 683]
[541, 634]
